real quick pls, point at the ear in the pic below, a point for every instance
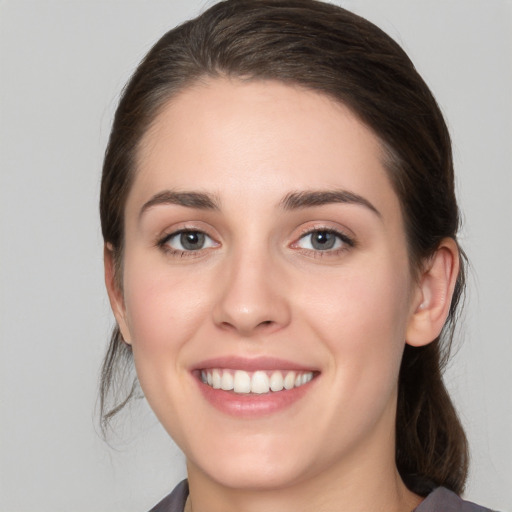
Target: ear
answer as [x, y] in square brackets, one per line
[115, 294]
[434, 295]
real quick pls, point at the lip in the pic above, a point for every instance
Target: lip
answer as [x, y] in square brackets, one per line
[252, 405]
[252, 364]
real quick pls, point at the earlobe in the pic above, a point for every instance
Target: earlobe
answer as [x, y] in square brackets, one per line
[115, 294]
[434, 295]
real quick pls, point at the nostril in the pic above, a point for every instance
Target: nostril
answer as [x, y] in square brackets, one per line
[266, 322]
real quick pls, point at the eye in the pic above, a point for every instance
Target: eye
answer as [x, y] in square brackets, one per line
[323, 240]
[187, 240]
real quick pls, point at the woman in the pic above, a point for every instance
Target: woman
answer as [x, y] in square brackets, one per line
[280, 230]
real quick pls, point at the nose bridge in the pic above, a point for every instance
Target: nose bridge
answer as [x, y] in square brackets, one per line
[251, 297]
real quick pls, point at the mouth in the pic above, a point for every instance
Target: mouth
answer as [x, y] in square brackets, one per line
[259, 382]
[253, 387]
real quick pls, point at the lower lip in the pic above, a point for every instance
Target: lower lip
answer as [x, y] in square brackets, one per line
[253, 405]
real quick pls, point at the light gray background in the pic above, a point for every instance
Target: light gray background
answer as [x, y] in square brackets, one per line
[62, 66]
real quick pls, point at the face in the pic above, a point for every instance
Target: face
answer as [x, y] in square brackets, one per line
[266, 284]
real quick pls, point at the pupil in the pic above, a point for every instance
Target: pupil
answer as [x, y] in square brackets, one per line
[323, 240]
[192, 240]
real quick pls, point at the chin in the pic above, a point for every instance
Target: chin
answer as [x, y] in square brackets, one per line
[255, 475]
[267, 466]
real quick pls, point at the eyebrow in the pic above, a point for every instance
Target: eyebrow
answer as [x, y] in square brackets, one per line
[197, 200]
[307, 199]
[292, 201]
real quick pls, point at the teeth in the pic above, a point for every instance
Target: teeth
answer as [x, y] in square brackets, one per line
[259, 382]
[276, 381]
[242, 382]
[227, 381]
[216, 378]
[289, 380]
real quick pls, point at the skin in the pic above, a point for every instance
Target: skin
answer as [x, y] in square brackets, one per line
[258, 288]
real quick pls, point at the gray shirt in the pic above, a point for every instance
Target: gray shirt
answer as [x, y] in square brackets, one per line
[439, 500]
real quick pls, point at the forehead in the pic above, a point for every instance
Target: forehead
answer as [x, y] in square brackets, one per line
[259, 140]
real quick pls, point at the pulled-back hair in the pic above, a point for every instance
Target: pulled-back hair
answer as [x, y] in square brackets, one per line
[327, 49]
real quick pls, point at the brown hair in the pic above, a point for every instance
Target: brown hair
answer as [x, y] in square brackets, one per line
[324, 48]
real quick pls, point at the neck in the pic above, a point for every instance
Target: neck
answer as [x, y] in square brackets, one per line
[373, 488]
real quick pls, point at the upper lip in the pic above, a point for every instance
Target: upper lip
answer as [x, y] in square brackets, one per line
[251, 364]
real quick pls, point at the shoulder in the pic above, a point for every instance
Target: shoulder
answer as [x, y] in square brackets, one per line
[439, 500]
[443, 500]
[174, 502]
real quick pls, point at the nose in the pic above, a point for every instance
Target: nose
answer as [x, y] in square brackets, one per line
[252, 297]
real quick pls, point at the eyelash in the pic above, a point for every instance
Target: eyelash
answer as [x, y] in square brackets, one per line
[346, 241]
[163, 243]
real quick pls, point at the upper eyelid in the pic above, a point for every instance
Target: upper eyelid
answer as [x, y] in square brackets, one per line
[179, 231]
[344, 238]
[308, 231]
[344, 233]
[175, 232]
[184, 227]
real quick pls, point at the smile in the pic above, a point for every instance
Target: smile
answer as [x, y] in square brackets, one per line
[258, 382]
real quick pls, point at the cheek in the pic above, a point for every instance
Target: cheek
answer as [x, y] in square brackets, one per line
[164, 311]
[362, 317]
[360, 299]
[163, 306]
